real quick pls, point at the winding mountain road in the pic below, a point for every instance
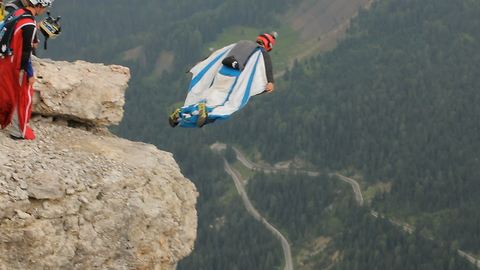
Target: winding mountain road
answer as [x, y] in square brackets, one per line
[253, 166]
[286, 247]
[240, 185]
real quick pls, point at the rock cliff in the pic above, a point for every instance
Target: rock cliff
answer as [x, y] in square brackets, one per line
[78, 197]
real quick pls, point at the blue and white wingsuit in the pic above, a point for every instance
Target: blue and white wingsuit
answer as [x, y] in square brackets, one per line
[221, 88]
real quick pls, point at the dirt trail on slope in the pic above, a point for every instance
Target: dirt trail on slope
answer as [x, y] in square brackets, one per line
[321, 23]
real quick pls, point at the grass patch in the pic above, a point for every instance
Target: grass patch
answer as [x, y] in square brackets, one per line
[370, 192]
[305, 255]
[245, 172]
[229, 36]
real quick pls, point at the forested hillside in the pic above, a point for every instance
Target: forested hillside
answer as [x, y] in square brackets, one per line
[394, 103]
[397, 102]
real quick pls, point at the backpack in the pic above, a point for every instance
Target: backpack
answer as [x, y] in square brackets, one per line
[6, 31]
[239, 54]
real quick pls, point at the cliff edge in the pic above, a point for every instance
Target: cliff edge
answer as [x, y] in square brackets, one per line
[78, 197]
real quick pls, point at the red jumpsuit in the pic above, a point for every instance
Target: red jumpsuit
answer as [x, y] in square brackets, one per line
[16, 95]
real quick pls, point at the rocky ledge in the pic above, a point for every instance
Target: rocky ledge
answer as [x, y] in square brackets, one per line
[78, 197]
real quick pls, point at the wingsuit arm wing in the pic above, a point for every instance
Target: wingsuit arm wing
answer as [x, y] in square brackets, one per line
[203, 74]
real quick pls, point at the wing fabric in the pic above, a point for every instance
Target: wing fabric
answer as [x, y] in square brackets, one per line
[224, 90]
[204, 74]
[251, 81]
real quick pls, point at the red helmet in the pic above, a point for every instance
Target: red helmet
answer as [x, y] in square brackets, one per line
[268, 40]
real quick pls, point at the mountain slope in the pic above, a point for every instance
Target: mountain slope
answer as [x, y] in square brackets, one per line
[320, 24]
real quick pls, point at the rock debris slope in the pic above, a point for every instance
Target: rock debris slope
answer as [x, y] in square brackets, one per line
[77, 197]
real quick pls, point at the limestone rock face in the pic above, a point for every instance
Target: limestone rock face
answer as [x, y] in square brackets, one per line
[74, 199]
[92, 94]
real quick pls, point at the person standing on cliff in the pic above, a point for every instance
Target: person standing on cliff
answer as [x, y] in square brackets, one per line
[13, 5]
[16, 72]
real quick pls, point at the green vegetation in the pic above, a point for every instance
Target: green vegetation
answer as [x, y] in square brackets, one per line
[294, 202]
[244, 171]
[396, 102]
